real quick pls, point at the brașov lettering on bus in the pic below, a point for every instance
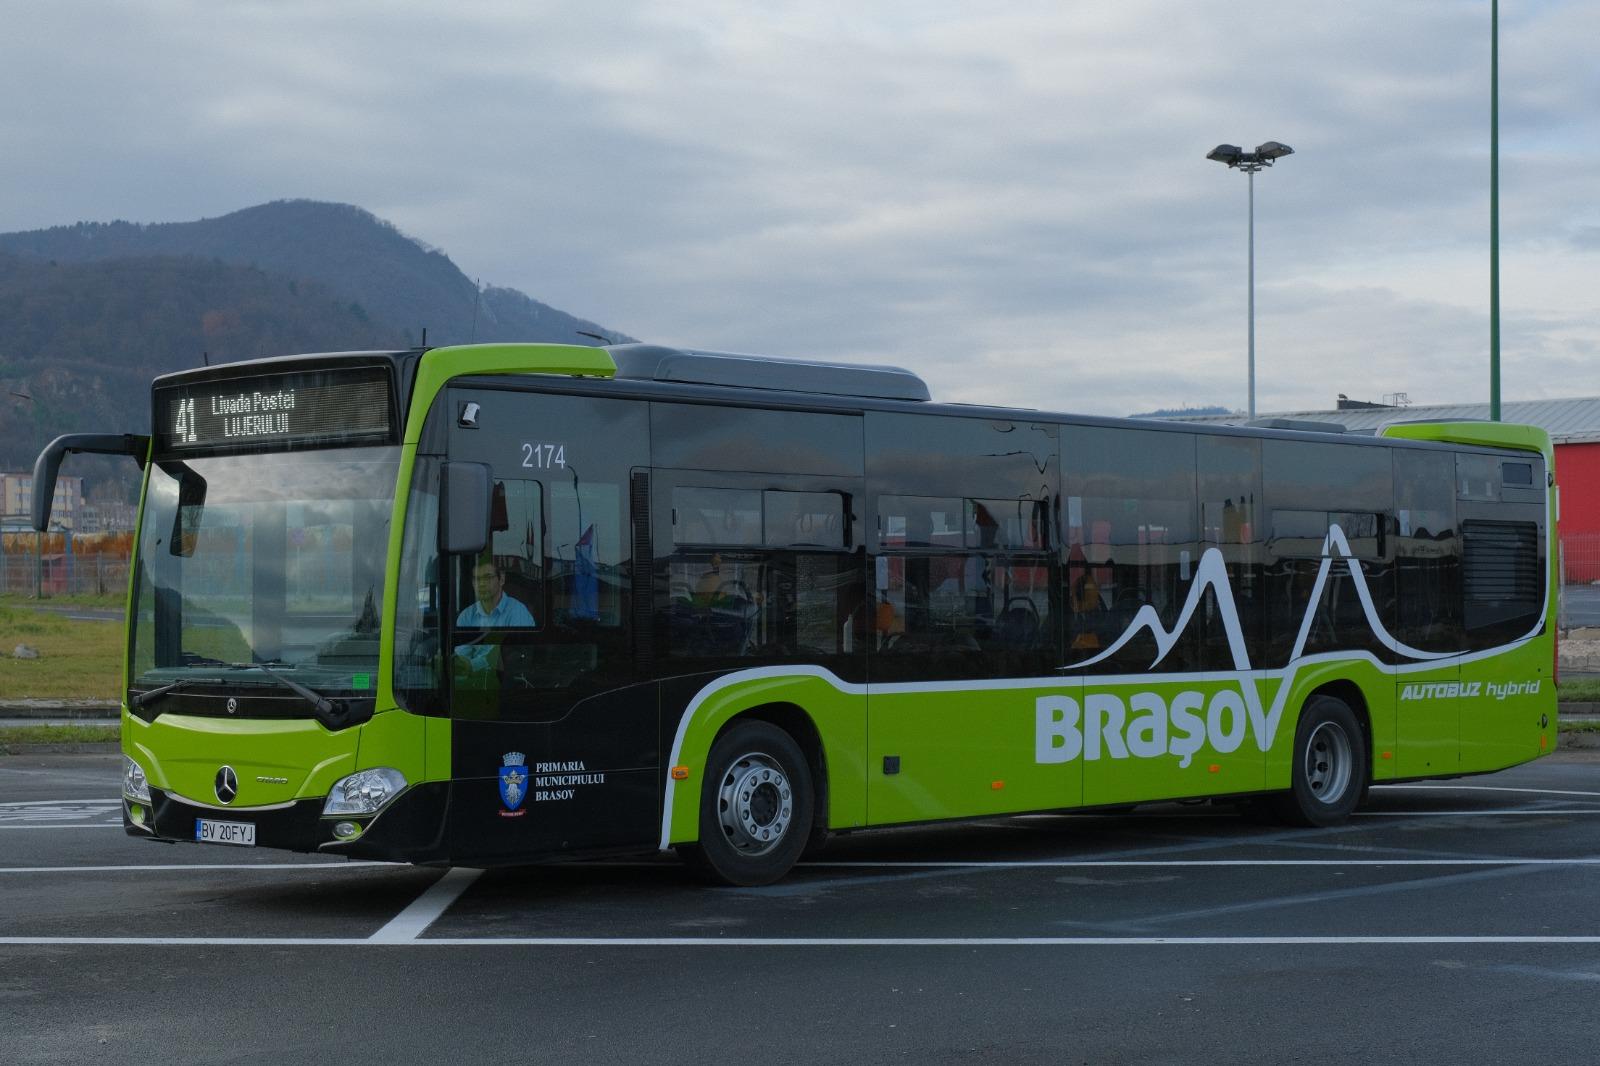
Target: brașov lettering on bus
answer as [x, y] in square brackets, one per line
[1181, 727]
[257, 414]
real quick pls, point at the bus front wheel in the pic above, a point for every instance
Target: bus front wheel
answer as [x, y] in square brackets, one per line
[1330, 767]
[755, 807]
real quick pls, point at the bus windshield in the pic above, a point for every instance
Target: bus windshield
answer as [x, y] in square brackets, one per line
[264, 569]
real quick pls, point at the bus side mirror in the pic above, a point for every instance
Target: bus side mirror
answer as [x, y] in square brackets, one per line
[465, 493]
[191, 501]
[48, 465]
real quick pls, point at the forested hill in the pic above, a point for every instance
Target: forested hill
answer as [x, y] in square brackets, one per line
[80, 342]
[399, 281]
[90, 313]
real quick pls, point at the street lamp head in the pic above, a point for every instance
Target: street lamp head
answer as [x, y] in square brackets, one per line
[1271, 150]
[1228, 154]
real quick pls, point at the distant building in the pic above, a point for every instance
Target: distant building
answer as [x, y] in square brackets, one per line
[106, 517]
[16, 501]
[1574, 428]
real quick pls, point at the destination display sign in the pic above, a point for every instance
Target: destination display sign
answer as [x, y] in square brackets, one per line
[301, 409]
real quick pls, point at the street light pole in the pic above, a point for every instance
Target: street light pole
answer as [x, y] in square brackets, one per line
[1252, 173]
[1250, 162]
[1494, 210]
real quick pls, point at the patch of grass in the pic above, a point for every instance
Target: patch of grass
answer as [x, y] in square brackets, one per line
[1585, 689]
[111, 601]
[11, 738]
[77, 660]
[1579, 727]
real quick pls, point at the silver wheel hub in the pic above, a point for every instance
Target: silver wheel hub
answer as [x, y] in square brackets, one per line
[1329, 762]
[755, 804]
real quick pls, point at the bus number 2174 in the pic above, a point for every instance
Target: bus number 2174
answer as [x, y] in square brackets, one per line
[544, 456]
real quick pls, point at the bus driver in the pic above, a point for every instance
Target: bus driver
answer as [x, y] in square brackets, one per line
[492, 608]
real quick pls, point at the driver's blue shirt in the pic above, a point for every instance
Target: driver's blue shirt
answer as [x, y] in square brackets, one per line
[508, 612]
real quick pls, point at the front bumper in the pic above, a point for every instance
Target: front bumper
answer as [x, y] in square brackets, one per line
[409, 829]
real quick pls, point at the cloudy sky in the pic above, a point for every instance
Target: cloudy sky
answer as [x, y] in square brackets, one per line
[1011, 199]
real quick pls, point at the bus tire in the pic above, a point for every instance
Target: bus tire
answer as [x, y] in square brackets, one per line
[1329, 773]
[756, 807]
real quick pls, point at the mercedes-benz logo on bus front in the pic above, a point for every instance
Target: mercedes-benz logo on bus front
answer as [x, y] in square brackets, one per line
[227, 784]
[233, 705]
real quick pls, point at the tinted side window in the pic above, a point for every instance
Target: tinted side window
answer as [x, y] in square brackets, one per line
[961, 613]
[1231, 524]
[1427, 551]
[1500, 509]
[1131, 542]
[1313, 488]
[708, 437]
[758, 572]
[962, 580]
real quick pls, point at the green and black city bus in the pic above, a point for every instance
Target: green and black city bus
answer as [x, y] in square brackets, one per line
[500, 604]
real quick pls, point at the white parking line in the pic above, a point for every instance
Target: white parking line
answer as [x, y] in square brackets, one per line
[1118, 863]
[787, 942]
[1475, 813]
[412, 922]
[192, 866]
[69, 825]
[1484, 788]
[64, 803]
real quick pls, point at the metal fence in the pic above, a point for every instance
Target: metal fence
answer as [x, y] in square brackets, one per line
[32, 570]
[1580, 558]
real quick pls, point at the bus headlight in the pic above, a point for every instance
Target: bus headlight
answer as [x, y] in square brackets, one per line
[134, 784]
[364, 792]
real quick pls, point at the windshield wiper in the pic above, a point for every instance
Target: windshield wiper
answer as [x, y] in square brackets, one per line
[150, 695]
[322, 703]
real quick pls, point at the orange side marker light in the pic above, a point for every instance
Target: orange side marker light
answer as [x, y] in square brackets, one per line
[1215, 768]
[997, 785]
[1388, 755]
[680, 773]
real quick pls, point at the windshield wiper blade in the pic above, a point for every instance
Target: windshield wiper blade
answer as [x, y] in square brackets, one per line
[150, 695]
[322, 703]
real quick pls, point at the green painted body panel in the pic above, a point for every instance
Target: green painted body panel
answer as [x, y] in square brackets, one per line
[1483, 434]
[1428, 730]
[441, 364]
[181, 754]
[838, 712]
[956, 747]
[1500, 725]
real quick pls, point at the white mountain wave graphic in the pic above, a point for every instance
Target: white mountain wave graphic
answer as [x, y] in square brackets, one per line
[1212, 573]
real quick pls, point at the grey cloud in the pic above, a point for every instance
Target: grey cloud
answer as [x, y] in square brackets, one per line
[1011, 201]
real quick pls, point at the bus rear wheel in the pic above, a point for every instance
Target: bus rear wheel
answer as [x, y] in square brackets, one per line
[756, 807]
[1330, 769]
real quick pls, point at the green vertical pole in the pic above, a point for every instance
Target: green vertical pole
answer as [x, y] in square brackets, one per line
[1494, 210]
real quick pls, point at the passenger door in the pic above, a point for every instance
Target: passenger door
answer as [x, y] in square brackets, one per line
[555, 728]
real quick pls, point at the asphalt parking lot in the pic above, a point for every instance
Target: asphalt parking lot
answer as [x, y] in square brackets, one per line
[1450, 921]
